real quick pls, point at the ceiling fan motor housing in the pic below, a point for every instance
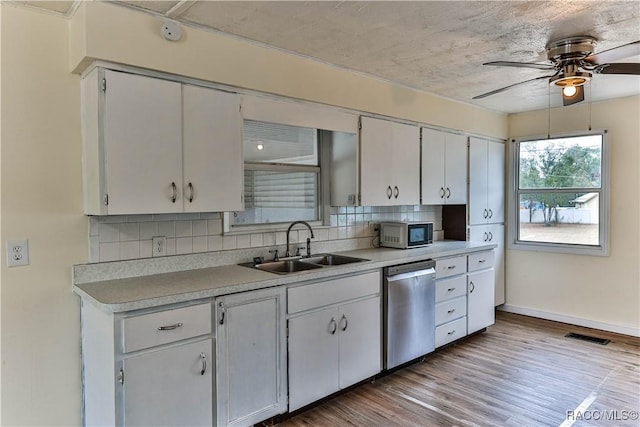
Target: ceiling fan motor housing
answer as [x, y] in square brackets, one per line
[568, 54]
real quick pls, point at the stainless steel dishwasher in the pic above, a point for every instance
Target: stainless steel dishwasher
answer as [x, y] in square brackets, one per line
[409, 302]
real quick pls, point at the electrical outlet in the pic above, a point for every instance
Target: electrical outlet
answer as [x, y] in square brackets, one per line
[17, 253]
[159, 245]
[374, 226]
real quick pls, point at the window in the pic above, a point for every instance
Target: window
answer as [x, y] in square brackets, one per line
[561, 194]
[281, 174]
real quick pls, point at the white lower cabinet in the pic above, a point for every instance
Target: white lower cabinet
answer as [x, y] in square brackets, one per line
[335, 345]
[169, 387]
[251, 358]
[493, 233]
[148, 367]
[481, 311]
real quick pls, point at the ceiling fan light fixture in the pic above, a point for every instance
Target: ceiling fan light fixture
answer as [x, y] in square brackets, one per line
[576, 78]
[569, 91]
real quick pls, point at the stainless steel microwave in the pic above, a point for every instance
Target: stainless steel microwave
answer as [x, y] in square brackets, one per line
[406, 235]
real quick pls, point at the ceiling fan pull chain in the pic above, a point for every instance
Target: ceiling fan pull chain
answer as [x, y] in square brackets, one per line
[549, 113]
[590, 102]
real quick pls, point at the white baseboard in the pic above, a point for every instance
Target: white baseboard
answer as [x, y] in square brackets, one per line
[587, 323]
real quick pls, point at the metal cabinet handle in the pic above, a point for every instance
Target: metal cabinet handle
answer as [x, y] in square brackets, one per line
[451, 332]
[389, 192]
[448, 192]
[451, 289]
[170, 327]
[490, 236]
[486, 236]
[346, 322]
[335, 326]
[486, 213]
[203, 357]
[396, 191]
[174, 195]
[490, 213]
[222, 311]
[442, 192]
[473, 287]
[481, 261]
[451, 267]
[191, 193]
[451, 311]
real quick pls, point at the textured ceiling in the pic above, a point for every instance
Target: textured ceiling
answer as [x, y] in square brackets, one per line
[433, 46]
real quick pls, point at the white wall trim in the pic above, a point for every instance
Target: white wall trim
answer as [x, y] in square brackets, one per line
[578, 321]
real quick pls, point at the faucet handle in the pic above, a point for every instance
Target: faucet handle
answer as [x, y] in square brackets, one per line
[298, 249]
[276, 257]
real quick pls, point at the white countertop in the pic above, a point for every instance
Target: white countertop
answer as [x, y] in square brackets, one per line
[167, 288]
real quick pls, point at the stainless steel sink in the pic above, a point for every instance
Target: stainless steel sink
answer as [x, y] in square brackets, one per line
[286, 266]
[289, 266]
[331, 259]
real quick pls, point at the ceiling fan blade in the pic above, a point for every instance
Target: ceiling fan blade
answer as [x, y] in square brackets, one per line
[493, 92]
[619, 68]
[620, 52]
[520, 65]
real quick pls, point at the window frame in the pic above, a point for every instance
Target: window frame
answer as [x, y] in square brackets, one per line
[602, 249]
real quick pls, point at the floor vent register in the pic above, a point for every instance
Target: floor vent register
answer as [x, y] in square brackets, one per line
[589, 338]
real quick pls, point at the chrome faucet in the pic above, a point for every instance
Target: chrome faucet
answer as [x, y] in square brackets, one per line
[288, 254]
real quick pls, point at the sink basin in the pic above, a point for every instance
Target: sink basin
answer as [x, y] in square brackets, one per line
[287, 266]
[304, 264]
[331, 259]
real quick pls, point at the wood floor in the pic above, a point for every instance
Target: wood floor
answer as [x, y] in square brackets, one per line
[521, 372]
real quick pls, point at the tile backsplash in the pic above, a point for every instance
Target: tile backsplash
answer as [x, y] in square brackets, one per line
[127, 237]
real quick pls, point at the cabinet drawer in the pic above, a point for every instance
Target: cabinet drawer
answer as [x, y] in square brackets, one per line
[451, 266]
[481, 260]
[450, 288]
[163, 327]
[332, 291]
[451, 331]
[450, 310]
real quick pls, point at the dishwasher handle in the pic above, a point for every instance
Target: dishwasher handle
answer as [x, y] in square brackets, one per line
[411, 274]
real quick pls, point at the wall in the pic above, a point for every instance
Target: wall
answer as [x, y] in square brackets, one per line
[41, 179]
[601, 292]
[41, 201]
[218, 58]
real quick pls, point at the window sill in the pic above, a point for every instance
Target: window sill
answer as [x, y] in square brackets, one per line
[560, 248]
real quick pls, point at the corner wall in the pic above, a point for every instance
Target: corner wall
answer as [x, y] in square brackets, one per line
[41, 200]
[599, 292]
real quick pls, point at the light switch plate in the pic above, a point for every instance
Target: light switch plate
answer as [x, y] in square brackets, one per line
[17, 253]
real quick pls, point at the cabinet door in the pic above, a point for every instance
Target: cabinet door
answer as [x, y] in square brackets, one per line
[376, 162]
[495, 181]
[480, 309]
[478, 211]
[433, 165]
[493, 234]
[390, 163]
[250, 357]
[169, 387]
[405, 152]
[455, 169]
[142, 137]
[360, 346]
[212, 150]
[313, 357]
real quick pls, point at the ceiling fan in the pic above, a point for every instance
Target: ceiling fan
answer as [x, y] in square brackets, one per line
[574, 63]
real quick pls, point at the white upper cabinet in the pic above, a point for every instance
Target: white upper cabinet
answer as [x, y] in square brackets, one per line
[142, 136]
[444, 168]
[486, 182]
[212, 129]
[133, 133]
[390, 163]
